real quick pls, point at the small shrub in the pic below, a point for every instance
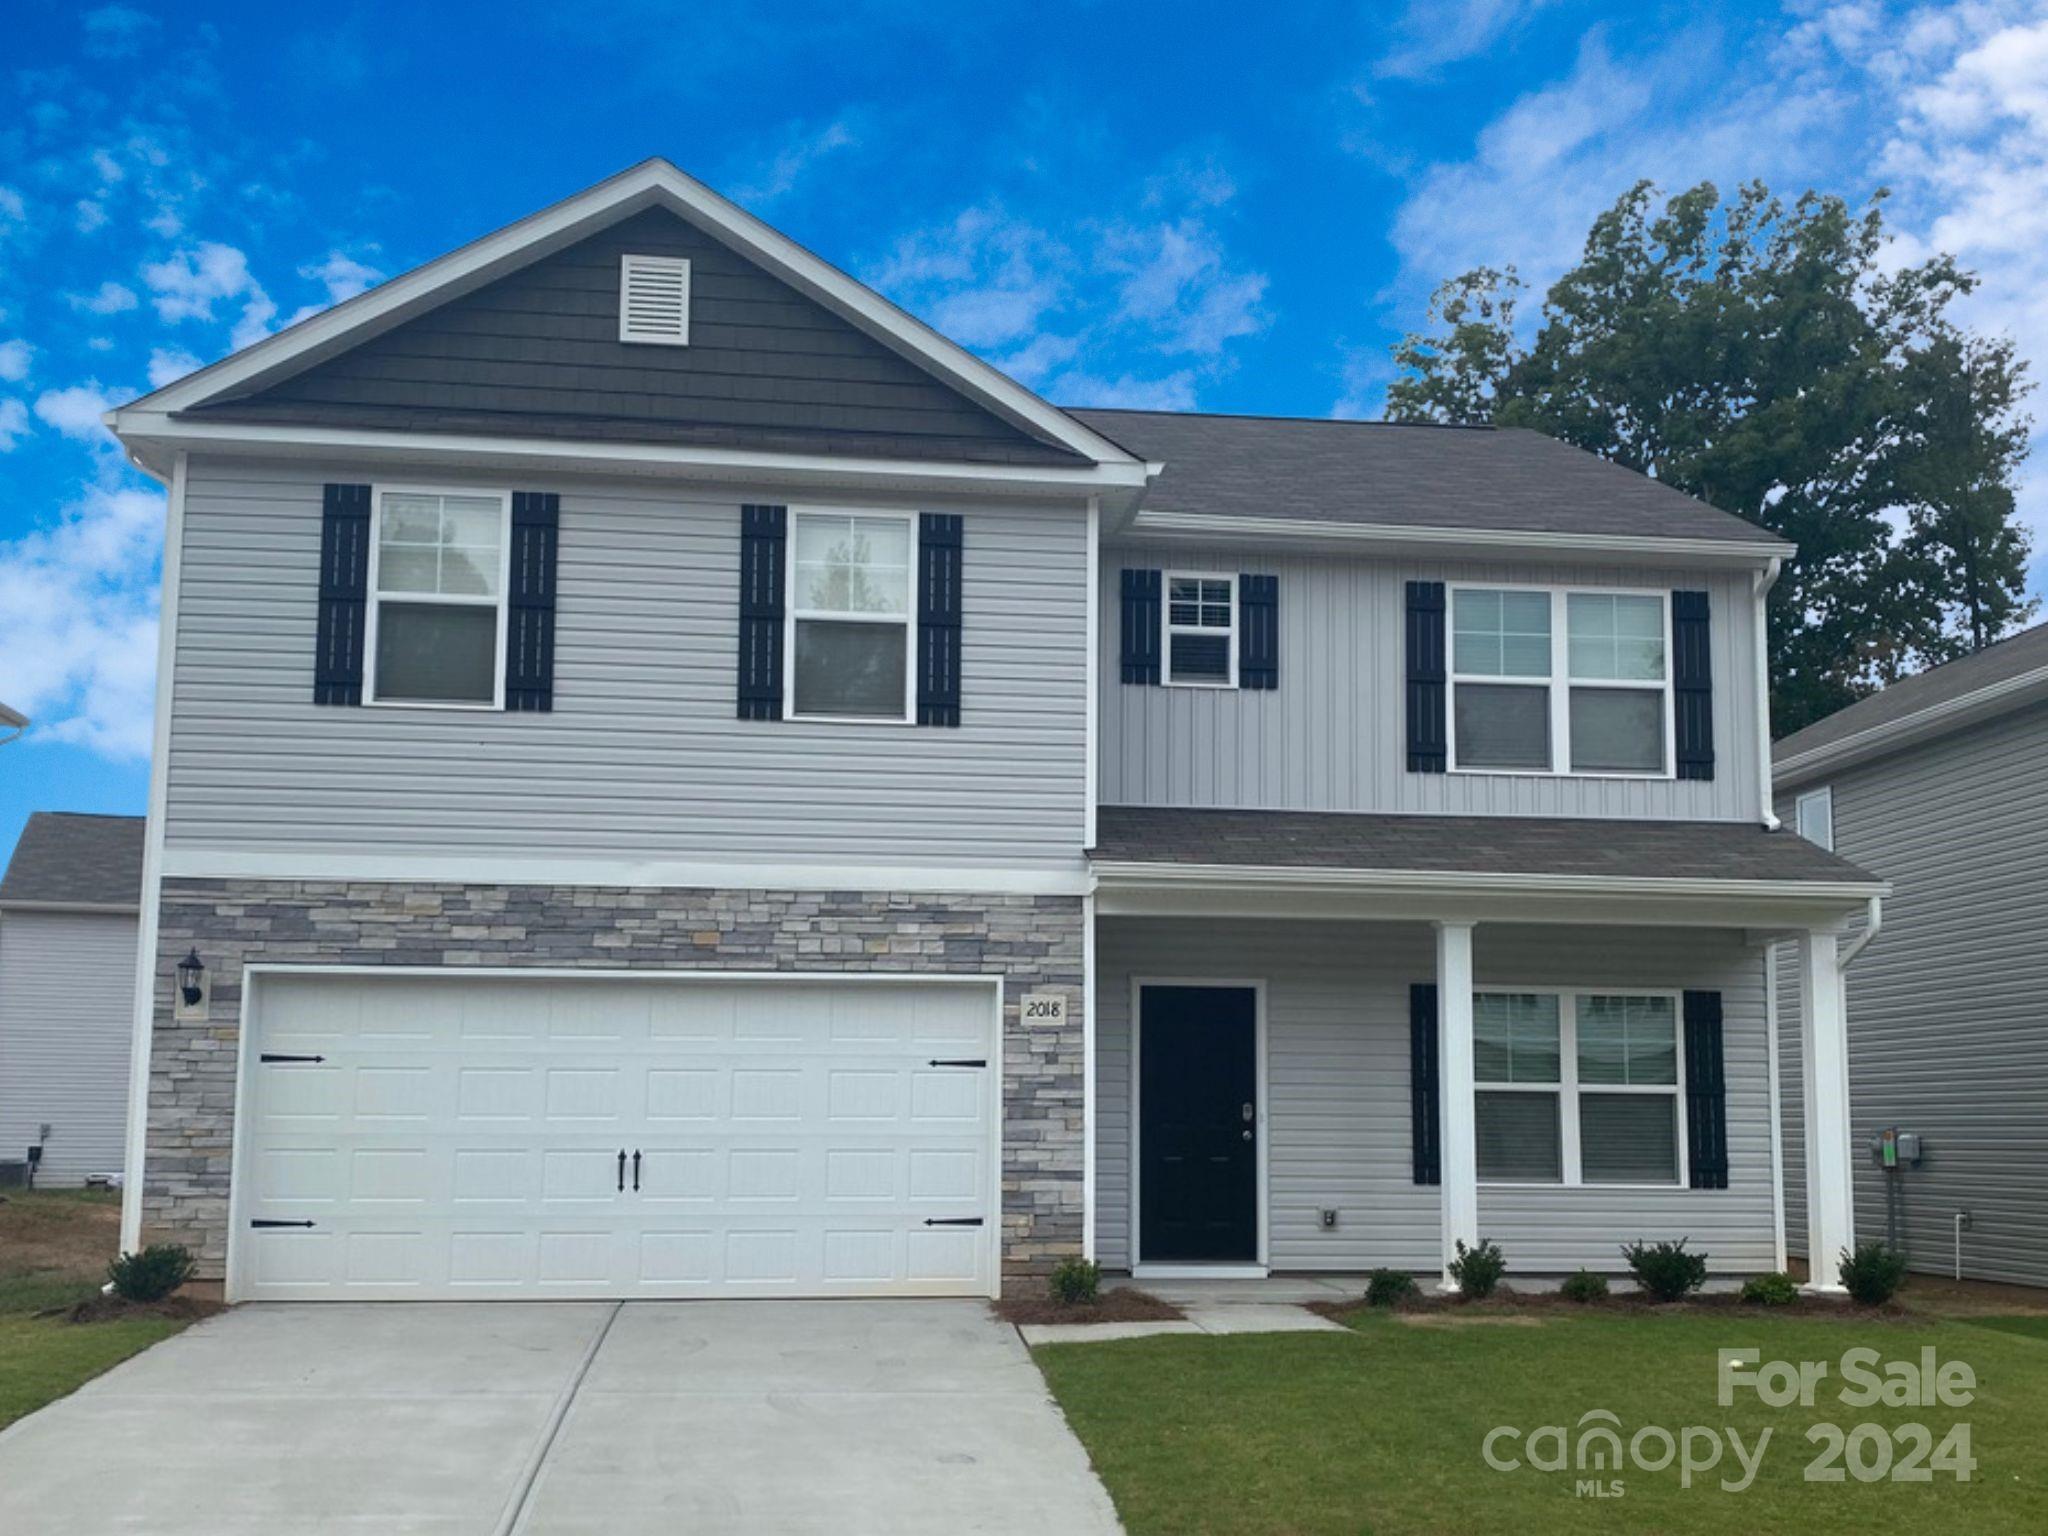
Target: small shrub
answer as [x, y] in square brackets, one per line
[152, 1274]
[1665, 1271]
[1389, 1288]
[1873, 1273]
[1585, 1287]
[1478, 1270]
[1773, 1290]
[1076, 1282]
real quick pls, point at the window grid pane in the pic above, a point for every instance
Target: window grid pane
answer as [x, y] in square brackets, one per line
[1501, 633]
[852, 565]
[1630, 1041]
[1615, 636]
[1515, 1037]
[447, 546]
[1199, 603]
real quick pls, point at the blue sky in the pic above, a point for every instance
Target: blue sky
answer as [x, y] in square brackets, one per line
[1227, 207]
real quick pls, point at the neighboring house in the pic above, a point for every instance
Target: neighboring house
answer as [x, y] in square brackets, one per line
[1938, 783]
[683, 781]
[68, 907]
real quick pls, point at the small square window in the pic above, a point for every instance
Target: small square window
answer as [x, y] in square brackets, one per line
[1201, 630]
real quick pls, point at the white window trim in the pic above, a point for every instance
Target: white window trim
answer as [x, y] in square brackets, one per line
[1824, 797]
[1559, 683]
[375, 598]
[1168, 629]
[1568, 1088]
[907, 619]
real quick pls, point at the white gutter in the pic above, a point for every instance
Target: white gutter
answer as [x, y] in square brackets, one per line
[1112, 872]
[1760, 588]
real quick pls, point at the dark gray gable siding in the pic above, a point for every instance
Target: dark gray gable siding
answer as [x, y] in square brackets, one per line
[537, 353]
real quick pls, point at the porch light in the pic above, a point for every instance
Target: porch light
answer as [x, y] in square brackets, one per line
[190, 969]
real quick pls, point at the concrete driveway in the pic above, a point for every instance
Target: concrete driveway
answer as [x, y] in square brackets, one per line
[487, 1418]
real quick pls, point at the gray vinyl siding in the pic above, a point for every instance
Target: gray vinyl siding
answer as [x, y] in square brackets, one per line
[538, 353]
[642, 757]
[67, 1007]
[1338, 1089]
[1331, 736]
[1948, 1028]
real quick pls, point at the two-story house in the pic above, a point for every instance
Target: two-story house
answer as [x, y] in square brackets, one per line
[674, 779]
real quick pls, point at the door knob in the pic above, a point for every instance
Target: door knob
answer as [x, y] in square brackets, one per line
[1247, 1135]
[1250, 1113]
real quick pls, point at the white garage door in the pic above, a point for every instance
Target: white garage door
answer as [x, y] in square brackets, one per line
[478, 1137]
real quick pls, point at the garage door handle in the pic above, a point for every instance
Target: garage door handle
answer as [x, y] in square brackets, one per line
[622, 1168]
[261, 1223]
[636, 1170]
[269, 1056]
[952, 1221]
[943, 1062]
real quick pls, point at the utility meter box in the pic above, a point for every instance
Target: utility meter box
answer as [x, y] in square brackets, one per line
[1894, 1148]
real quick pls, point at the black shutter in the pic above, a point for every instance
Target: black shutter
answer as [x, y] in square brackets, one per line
[1423, 1101]
[530, 602]
[1141, 627]
[1706, 1092]
[1428, 744]
[1258, 631]
[344, 593]
[1692, 683]
[763, 532]
[938, 619]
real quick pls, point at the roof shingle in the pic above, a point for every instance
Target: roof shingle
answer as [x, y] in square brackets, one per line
[69, 857]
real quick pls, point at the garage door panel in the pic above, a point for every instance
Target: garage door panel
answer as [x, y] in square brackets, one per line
[794, 1139]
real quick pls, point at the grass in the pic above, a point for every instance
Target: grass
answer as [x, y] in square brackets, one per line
[1380, 1429]
[54, 1249]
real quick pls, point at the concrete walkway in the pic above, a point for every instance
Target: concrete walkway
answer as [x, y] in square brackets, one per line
[486, 1419]
[1265, 1305]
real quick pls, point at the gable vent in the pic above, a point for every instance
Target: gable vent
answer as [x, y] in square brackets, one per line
[654, 299]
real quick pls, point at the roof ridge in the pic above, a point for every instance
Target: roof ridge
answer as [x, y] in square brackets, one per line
[1330, 421]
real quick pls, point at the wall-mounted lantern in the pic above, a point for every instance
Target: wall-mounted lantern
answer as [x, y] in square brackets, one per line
[192, 979]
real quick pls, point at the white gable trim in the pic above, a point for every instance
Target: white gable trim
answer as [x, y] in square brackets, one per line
[653, 183]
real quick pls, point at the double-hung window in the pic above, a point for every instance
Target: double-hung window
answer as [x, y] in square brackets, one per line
[1550, 681]
[436, 632]
[1201, 630]
[1578, 1088]
[849, 650]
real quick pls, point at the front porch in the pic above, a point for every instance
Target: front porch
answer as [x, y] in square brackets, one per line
[1331, 1070]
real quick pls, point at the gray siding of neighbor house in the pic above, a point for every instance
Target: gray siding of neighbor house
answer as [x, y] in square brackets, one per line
[67, 1014]
[1948, 1027]
[642, 756]
[1337, 1089]
[537, 353]
[1331, 736]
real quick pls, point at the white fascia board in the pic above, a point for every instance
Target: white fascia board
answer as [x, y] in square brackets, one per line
[1313, 534]
[1967, 709]
[154, 437]
[654, 183]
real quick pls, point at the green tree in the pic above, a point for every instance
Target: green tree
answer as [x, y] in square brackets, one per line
[1765, 359]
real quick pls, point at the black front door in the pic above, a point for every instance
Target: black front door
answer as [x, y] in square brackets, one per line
[1198, 1148]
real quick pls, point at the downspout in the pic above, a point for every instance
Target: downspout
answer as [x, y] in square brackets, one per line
[1873, 921]
[1760, 584]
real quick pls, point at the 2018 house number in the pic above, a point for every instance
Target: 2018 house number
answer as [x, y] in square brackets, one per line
[1044, 1008]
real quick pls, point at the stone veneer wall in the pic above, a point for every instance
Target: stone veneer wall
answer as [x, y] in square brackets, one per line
[1032, 941]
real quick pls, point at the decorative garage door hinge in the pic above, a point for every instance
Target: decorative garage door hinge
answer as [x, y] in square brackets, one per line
[952, 1221]
[269, 1056]
[970, 1061]
[260, 1222]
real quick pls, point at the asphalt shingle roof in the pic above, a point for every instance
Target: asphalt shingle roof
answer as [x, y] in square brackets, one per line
[2024, 652]
[66, 856]
[1402, 475]
[1669, 850]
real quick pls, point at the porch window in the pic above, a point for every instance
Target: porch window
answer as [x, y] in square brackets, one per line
[1550, 681]
[1578, 1088]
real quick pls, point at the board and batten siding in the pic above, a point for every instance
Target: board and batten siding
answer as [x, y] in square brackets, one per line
[67, 1012]
[1337, 1107]
[642, 757]
[1331, 736]
[1948, 1006]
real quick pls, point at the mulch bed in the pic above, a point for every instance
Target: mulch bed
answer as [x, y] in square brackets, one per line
[109, 1309]
[1509, 1302]
[1122, 1305]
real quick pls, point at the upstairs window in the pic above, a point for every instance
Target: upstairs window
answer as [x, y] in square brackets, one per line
[1814, 813]
[1547, 681]
[654, 300]
[436, 632]
[1201, 631]
[849, 614]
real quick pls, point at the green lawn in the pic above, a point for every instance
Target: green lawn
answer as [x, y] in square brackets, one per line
[54, 1248]
[1380, 1429]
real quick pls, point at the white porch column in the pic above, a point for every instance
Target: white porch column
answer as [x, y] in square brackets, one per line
[1824, 1064]
[1458, 1141]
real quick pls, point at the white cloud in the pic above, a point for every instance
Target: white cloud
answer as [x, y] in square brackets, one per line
[108, 167]
[111, 299]
[12, 209]
[13, 424]
[1177, 283]
[91, 215]
[14, 356]
[78, 621]
[802, 149]
[343, 276]
[76, 411]
[188, 284]
[1433, 33]
[1175, 392]
[168, 364]
[116, 31]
